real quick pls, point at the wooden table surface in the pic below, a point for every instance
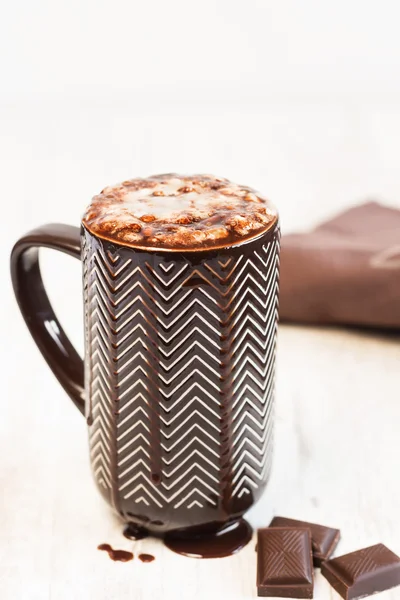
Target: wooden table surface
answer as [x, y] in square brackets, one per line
[337, 407]
[336, 462]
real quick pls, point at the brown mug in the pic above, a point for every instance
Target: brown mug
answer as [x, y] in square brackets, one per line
[177, 382]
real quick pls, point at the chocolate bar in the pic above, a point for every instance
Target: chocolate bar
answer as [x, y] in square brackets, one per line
[284, 563]
[323, 539]
[364, 572]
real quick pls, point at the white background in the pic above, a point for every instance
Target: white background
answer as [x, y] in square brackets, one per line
[300, 99]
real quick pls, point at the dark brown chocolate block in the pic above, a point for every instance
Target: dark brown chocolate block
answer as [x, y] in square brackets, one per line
[364, 572]
[323, 539]
[284, 563]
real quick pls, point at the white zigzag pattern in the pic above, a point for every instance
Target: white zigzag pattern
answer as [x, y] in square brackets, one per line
[98, 369]
[252, 435]
[190, 449]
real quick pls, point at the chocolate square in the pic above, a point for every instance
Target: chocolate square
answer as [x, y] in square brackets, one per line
[284, 563]
[324, 539]
[364, 572]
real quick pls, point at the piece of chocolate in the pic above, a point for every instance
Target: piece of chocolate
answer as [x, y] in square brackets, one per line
[323, 539]
[364, 572]
[284, 563]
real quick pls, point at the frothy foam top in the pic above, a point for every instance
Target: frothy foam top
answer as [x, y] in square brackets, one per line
[178, 212]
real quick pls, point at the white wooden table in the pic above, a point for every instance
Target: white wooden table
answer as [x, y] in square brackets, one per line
[338, 405]
[336, 462]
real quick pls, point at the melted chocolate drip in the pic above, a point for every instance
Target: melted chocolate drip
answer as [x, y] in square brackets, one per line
[225, 542]
[146, 558]
[116, 555]
[156, 478]
[135, 532]
[226, 399]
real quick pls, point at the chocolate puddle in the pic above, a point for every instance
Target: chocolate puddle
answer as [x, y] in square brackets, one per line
[146, 558]
[116, 555]
[223, 543]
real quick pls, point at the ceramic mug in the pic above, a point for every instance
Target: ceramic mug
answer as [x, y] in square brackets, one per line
[177, 382]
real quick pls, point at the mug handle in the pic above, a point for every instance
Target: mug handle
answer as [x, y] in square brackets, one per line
[36, 309]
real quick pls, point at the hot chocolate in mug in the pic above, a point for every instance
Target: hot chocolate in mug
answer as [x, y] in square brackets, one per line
[180, 288]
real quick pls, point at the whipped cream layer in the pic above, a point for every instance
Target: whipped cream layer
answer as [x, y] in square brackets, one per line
[178, 212]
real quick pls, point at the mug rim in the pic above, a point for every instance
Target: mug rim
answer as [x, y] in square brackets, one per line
[271, 228]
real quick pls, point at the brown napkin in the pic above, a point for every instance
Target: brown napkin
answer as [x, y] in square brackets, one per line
[346, 271]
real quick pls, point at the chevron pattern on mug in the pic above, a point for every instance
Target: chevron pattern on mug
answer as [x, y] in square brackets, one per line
[180, 377]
